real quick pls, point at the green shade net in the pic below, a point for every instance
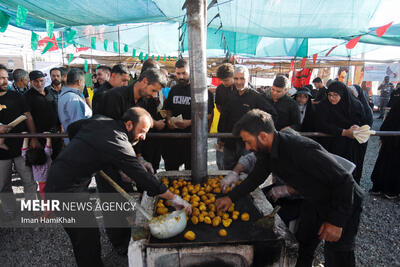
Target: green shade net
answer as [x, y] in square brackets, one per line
[22, 13]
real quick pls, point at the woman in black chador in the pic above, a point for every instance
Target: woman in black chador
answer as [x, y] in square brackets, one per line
[339, 115]
[386, 174]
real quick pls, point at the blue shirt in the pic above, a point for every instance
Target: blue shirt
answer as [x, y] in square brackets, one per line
[72, 107]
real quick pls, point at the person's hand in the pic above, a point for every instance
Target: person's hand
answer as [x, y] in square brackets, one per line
[146, 165]
[182, 124]
[329, 232]
[229, 181]
[170, 125]
[159, 125]
[278, 192]
[4, 129]
[178, 203]
[35, 143]
[349, 132]
[223, 203]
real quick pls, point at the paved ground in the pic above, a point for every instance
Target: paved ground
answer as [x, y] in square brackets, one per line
[378, 241]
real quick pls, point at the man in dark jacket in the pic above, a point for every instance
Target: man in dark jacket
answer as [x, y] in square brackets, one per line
[328, 212]
[241, 101]
[95, 144]
[287, 108]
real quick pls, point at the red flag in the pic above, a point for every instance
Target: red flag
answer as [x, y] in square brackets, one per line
[330, 50]
[353, 42]
[81, 49]
[303, 62]
[46, 40]
[314, 58]
[291, 65]
[381, 30]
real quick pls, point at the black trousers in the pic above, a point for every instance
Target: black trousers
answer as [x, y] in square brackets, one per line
[177, 152]
[118, 236]
[337, 254]
[86, 246]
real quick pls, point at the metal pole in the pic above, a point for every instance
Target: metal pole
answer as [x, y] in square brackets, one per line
[62, 48]
[196, 19]
[148, 39]
[119, 46]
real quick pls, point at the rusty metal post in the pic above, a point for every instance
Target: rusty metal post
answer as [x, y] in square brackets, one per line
[196, 19]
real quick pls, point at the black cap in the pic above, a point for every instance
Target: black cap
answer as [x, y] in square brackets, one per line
[33, 75]
[303, 90]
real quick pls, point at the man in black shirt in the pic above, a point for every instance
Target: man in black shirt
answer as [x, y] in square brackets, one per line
[321, 94]
[95, 144]
[43, 107]
[287, 108]
[328, 211]
[243, 100]
[13, 105]
[178, 103]
[119, 77]
[222, 95]
[113, 104]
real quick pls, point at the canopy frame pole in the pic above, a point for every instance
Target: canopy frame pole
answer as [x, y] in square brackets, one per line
[119, 46]
[196, 19]
[62, 47]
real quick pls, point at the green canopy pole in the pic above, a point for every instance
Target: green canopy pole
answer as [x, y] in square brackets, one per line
[196, 19]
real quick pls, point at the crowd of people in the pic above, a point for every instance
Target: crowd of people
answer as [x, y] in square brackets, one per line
[308, 182]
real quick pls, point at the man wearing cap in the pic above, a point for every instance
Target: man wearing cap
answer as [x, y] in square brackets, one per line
[43, 107]
[288, 111]
[13, 105]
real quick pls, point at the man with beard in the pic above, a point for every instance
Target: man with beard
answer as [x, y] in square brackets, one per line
[14, 105]
[103, 74]
[21, 80]
[114, 103]
[119, 77]
[43, 106]
[329, 212]
[240, 102]
[56, 83]
[98, 143]
[178, 103]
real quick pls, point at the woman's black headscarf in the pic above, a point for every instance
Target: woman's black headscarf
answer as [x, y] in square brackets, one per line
[364, 102]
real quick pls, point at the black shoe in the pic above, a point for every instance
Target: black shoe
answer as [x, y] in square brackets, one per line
[390, 196]
[375, 192]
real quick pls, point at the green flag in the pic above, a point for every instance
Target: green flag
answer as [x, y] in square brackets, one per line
[49, 28]
[115, 46]
[141, 56]
[34, 41]
[134, 53]
[158, 58]
[22, 13]
[97, 66]
[86, 67]
[165, 57]
[169, 57]
[70, 57]
[4, 21]
[105, 44]
[69, 36]
[93, 42]
[47, 48]
[146, 57]
[303, 49]
[152, 56]
[126, 48]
